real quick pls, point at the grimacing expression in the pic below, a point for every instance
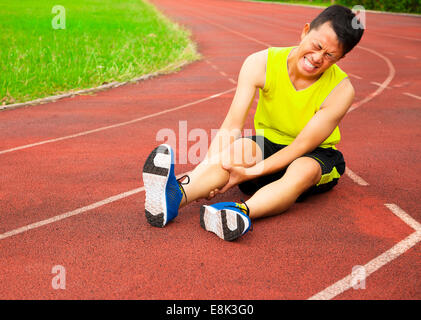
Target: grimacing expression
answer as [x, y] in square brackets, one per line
[318, 50]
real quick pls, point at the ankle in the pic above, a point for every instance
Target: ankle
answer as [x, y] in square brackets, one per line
[184, 200]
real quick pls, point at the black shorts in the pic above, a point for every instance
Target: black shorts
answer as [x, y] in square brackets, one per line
[331, 161]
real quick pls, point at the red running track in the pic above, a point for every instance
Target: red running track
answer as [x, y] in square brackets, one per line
[55, 197]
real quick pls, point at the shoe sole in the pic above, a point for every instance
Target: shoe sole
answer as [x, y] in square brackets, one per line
[226, 224]
[155, 174]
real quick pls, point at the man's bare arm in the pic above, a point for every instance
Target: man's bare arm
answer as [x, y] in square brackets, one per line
[252, 76]
[318, 129]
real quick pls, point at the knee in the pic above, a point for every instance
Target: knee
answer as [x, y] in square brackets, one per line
[242, 152]
[306, 170]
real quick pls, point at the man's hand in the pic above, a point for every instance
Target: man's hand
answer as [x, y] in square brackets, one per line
[237, 175]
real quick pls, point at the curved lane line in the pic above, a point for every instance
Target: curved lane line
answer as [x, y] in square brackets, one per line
[382, 86]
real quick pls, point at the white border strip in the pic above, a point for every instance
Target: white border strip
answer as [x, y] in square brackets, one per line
[115, 84]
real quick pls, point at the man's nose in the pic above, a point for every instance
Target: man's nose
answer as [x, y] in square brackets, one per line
[317, 57]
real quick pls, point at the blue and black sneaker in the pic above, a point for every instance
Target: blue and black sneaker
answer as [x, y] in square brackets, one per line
[163, 191]
[228, 220]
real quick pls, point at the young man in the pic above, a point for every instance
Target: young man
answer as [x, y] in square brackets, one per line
[303, 97]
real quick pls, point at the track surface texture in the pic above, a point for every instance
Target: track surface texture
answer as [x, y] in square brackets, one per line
[71, 192]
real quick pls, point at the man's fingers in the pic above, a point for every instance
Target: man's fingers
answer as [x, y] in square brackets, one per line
[225, 188]
[212, 194]
[226, 166]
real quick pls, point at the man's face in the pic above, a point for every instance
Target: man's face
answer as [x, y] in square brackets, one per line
[318, 50]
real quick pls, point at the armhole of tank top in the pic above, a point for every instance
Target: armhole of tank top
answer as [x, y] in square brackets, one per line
[333, 89]
[266, 86]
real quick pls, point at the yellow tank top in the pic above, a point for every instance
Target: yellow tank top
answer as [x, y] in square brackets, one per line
[282, 112]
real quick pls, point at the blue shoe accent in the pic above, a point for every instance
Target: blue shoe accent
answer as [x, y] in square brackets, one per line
[228, 220]
[173, 194]
[163, 193]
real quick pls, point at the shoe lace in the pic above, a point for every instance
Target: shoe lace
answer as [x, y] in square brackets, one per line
[246, 210]
[183, 183]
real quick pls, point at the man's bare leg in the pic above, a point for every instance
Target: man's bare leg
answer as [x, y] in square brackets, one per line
[279, 195]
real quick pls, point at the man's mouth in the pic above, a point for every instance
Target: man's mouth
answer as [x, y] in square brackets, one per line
[308, 66]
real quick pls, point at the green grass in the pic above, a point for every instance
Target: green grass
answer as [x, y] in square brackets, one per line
[104, 41]
[322, 3]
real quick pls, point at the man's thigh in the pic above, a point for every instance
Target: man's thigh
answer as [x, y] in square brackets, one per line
[331, 162]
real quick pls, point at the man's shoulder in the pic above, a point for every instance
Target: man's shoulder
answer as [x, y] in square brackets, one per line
[336, 74]
[263, 55]
[341, 94]
[259, 55]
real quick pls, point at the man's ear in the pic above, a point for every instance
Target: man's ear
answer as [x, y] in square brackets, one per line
[305, 31]
[342, 56]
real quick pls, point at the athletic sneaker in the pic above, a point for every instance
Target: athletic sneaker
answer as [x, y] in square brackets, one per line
[228, 220]
[163, 191]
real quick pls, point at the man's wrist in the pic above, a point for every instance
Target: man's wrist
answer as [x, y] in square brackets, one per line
[254, 171]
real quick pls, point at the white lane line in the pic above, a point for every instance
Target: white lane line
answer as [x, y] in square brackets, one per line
[384, 84]
[355, 76]
[394, 36]
[232, 81]
[232, 31]
[411, 57]
[378, 262]
[354, 177]
[70, 213]
[414, 224]
[76, 212]
[223, 73]
[379, 84]
[372, 266]
[84, 133]
[412, 95]
[400, 85]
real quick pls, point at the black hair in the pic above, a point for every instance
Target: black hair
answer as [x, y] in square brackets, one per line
[341, 20]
